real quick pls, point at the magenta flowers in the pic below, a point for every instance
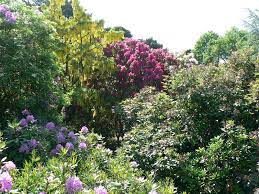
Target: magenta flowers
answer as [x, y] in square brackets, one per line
[73, 185]
[139, 65]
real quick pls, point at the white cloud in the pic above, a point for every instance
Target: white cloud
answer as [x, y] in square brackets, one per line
[175, 23]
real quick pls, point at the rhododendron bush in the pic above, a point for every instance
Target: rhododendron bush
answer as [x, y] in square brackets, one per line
[139, 65]
[62, 160]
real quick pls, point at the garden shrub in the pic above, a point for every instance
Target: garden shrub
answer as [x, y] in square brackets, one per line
[139, 66]
[226, 165]
[165, 130]
[27, 65]
[205, 97]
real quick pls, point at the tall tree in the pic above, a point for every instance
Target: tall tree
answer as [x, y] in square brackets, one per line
[212, 48]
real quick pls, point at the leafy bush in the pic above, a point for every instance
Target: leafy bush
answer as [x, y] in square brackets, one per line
[226, 165]
[165, 130]
[57, 157]
[27, 66]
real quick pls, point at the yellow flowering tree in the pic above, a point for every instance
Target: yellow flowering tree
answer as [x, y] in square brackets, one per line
[85, 68]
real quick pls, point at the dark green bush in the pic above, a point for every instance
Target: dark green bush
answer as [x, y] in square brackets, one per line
[226, 165]
[27, 66]
[169, 132]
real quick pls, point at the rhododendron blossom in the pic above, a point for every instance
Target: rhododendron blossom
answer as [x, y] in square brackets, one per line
[8, 15]
[5, 182]
[73, 185]
[9, 166]
[139, 65]
[100, 190]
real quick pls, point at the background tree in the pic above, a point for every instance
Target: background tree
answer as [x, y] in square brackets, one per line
[153, 43]
[127, 33]
[204, 48]
[212, 48]
[85, 71]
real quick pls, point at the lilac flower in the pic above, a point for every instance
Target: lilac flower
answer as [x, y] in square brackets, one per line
[54, 152]
[84, 130]
[5, 182]
[100, 190]
[30, 118]
[23, 122]
[153, 192]
[25, 112]
[50, 126]
[73, 185]
[3, 9]
[82, 145]
[69, 146]
[72, 135]
[11, 19]
[24, 148]
[9, 166]
[59, 147]
[61, 137]
[33, 143]
[63, 129]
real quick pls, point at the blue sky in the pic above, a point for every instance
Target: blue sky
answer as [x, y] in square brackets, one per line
[177, 24]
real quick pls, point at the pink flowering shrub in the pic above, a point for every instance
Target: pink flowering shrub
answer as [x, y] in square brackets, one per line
[139, 65]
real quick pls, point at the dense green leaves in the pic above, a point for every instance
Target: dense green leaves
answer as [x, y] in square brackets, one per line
[27, 64]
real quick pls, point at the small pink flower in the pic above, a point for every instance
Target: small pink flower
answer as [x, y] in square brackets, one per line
[9, 166]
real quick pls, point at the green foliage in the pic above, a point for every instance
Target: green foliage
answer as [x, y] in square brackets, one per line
[27, 65]
[226, 165]
[86, 72]
[253, 22]
[205, 96]
[203, 49]
[127, 33]
[212, 48]
[166, 130]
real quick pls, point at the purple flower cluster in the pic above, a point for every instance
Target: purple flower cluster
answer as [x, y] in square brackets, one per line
[82, 145]
[68, 139]
[26, 121]
[5, 182]
[8, 15]
[73, 185]
[84, 130]
[50, 126]
[29, 146]
[100, 190]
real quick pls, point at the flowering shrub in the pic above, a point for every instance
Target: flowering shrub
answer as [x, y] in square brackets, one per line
[139, 65]
[186, 59]
[82, 165]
